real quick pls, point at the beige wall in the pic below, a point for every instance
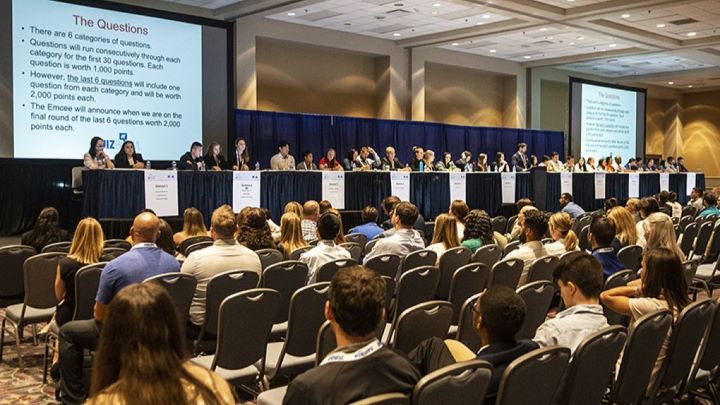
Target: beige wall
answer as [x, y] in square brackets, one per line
[554, 105]
[701, 131]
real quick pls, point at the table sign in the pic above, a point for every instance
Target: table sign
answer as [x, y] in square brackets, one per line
[634, 185]
[508, 187]
[599, 186]
[664, 181]
[458, 181]
[689, 182]
[400, 185]
[246, 190]
[333, 188]
[566, 183]
[161, 192]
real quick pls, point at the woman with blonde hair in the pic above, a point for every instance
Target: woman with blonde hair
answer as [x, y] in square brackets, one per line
[445, 235]
[626, 233]
[294, 207]
[565, 240]
[659, 232]
[193, 225]
[291, 237]
[633, 205]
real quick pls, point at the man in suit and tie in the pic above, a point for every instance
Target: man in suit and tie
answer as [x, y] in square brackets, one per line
[520, 160]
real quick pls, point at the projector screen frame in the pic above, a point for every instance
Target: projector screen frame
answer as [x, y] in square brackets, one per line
[228, 26]
[573, 80]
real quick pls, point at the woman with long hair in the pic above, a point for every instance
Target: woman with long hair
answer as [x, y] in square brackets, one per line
[330, 162]
[500, 164]
[294, 207]
[459, 209]
[193, 225]
[45, 231]
[478, 230]
[291, 237]
[662, 285]
[581, 166]
[241, 160]
[446, 164]
[482, 163]
[648, 206]
[445, 235]
[591, 165]
[128, 158]
[564, 238]
[141, 355]
[340, 238]
[214, 160]
[254, 231]
[165, 240]
[659, 232]
[625, 231]
[96, 158]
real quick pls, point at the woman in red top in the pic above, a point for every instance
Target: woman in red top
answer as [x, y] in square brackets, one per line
[329, 161]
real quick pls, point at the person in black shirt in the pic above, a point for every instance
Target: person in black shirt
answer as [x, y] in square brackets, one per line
[418, 159]
[127, 158]
[45, 231]
[361, 366]
[390, 161]
[192, 160]
[213, 159]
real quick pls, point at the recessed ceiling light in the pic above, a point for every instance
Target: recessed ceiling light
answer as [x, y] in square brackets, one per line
[455, 44]
[580, 38]
[570, 1]
[528, 56]
[437, 4]
[291, 14]
[690, 86]
[625, 16]
[543, 29]
[434, 13]
[493, 50]
[612, 45]
[572, 43]
[691, 34]
[671, 83]
[396, 34]
[486, 16]
[479, 23]
[660, 25]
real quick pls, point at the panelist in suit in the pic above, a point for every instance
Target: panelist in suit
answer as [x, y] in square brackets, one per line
[127, 158]
[96, 158]
[214, 160]
[390, 161]
[681, 165]
[465, 159]
[417, 161]
[240, 159]
[283, 160]
[192, 160]
[307, 163]
[519, 160]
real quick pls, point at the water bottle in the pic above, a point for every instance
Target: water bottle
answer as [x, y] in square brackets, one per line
[257, 166]
[421, 166]
[468, 167]
[386, 168]
[174, 165]
[148, 164]
[352, 165]
[514, 167]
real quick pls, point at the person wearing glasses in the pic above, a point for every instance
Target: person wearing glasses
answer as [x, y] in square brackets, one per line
[96, 158]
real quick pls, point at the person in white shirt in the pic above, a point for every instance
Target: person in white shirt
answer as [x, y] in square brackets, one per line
[580, 279]
[557, 164]
[696, 198]
[533, 228]
[405, 239]
[591, 167]
[564, 238]
[617, 164]
[283, 160]
[225, 254]
[310, 215]
[328, 226]
[648, 206]
[581, 166]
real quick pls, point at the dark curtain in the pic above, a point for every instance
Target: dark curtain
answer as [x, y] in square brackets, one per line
[204, 191]
[430, 193]
[114, 194]
[279, 188]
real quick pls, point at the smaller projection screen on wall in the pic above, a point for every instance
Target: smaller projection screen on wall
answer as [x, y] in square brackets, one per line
[606, 120]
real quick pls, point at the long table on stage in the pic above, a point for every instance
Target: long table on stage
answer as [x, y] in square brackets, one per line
[121, 193]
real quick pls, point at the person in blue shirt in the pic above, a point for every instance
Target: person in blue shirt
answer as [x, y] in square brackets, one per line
[369, 226]
[567, 204]
[144, 260]
[602, 232]
[710, 204]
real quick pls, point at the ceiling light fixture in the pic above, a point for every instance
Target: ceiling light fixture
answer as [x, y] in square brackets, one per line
[434, 13]
[479, 23]
[625, 16]
[455, 44]
[612, 45]
[493, 50]
[437, 4]
[580, 38]
[291, 14]
[671, 83]
[660, 25]
[396, 34]
[486, 16]
[528, 56]
[691, 34]
[689, 86]
[543, 29]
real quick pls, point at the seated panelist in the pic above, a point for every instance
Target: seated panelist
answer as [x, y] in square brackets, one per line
[96, 158]
[214, 160]
[192, 160]
[127, 158]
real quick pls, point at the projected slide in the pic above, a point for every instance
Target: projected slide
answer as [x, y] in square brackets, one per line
[80, 72]
[608, 122]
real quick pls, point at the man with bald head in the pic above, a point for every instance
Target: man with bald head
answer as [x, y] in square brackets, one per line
[144, 260]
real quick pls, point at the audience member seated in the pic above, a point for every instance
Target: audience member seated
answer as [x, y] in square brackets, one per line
[96, 158]
[500, 164]
[405, 239]
[696, 198]
[45, 231]
[625, 230]
[214, 160]
[240, 160]
[307, 163]
[580, 280]
[417, 164]
[340, 238]
[254, 231]
[611, 203]
[390, 161]
[141, 355]
[330, 162]
[523, 208]
[534, 227]
[328, 227]
[165, 240]
[361, 366]
[567, 204]
[225, 254]
[192, 160]
[519, 160]
[709, 205]
[601, 235]
[368, 159]
[283, 160]
[661, 285]
[478, 230]
[291, 237]
[369, 226]
[674, 205]
[310, 215]
[325, 205]
[648, 206]
[633, 205]
[564, 238]
[444, 235]
[459, 209]
[127, 158]
[294, 207]
[144, 260]
[193, 225]
[274, 228]
[661, 233]
[388, 204]
[446, 164]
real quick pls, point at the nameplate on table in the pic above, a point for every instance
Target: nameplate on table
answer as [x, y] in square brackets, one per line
[689, 182]
[161, 192]
[566, 183]
[664, 181]
[634, 185]
[599, 186]
[508, 187]
[400, 185]
[333, 188]
[246, 190]
[458, 181]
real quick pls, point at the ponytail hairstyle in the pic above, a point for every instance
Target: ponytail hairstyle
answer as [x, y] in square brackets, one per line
[561, 222]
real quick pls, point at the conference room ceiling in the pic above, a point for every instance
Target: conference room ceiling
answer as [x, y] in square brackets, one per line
[633, 41]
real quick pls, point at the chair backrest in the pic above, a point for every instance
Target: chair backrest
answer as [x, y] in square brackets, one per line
[328, 270]
[542, 269]
[450, 261]
[57, 247]
[537, 296]
[76, 182]
[221, 286]
[687, 335]
[467, 281]
[685, 220]
[499, 224]
[354, 248]
[268, 257]
[631, 257]
[111, 253]
[582, 221]
[118, 243]
[325, 342]
[488, 255]
[710, 359]
[510, 247]
[416, 286]
[87, 279]
[690, 268]
[689, 211]
[591, 367]
[286, 278]
[385, 265]
[676, 227]
[244, 323]
[510, 224]
[197, 246]
[11, 278]
[703, 238]
[710, 254]
[533, 378]
[393, 398]
[619, 279]
[390, 287]
[304, 320]
[295, 255]
[583, 242]
[645, 338]
[180, 287]
[466, 333]
[688, 238]
[191, 241]
[420, 322]
[464, 383]
[506, 273]
[358, 238]
[370, 245]
[40, 271]
[424, 257]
